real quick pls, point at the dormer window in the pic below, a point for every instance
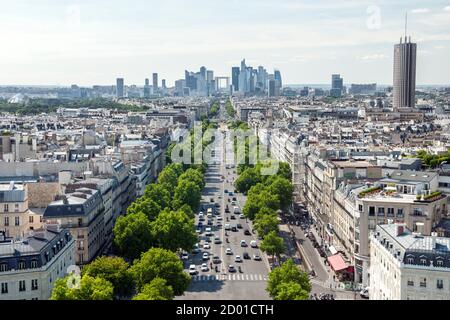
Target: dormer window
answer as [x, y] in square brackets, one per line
[22, 265]
[439, 263]
[423, 262]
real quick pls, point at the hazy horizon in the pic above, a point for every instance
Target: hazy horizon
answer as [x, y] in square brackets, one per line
[94, 42]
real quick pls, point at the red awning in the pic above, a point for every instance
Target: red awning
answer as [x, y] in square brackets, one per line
[337, 263]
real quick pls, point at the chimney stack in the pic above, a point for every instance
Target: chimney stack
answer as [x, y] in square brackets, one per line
[433, 240]
[400, 230]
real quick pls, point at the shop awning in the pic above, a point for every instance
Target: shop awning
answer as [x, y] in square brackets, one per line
[337, 263]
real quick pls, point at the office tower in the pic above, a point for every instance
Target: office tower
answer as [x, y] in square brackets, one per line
[119, 87]
[405, 74]
[337, 85]
[277, 76]
[163, 84]
[210, 83]
[179, 87]
[147, 89]
[235, 78]
[243, 78]
[272, 88]
[155, 82]
[191, 80]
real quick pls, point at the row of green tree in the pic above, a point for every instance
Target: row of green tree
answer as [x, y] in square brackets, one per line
[214, 110]
[267, 195]
[229, 107]
[157, 275]
[156, 226]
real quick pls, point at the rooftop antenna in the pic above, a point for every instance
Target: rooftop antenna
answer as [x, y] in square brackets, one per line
[406, 24]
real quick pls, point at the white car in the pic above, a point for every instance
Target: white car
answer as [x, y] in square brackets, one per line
[237, 258]
[206, 246]
[241, 216]
[219, 224]
[204, 267]
[208, 232]
[184, 256]
[206, 256]
[243, 243]
[227, 226]
[236, 210]
[228, 251]
[219, 218]
[253, 244]
[233, 203]
[192, 269]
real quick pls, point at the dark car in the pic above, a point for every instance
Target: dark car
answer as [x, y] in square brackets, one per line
[200, 224]
[234, 198]
[211, 199]
[234, 228]
[233, 218]
[227, 210]
[247, 232]
[231, 268]
[246, 255]
[239, 226]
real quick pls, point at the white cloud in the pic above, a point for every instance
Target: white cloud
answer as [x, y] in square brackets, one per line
[375, 56]
[420, 10]
[447, 8]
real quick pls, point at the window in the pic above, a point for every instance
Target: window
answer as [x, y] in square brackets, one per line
[410, 282]
[3, 267]
[400, 213]
[6, 207]
[22, 265]
[423, 262]
[80, 221]
[390, 212]
[16, 206]
[17, 221]
[381, 211]
[22, 285]
[439, 263]
[440, 284]
[4, 287]
[360, 208]
[6, 221]
[40, 218]
[371, 211]
[34, 284]
[417, 212]
[34, 264]
[423, 282]
[31, 219]
[410, 260]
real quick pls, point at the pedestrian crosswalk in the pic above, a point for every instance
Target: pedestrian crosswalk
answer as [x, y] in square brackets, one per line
[230, 277]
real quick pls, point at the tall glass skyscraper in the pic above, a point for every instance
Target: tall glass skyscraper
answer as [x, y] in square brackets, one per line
[119, 87]
[405, 74]
[235, 78]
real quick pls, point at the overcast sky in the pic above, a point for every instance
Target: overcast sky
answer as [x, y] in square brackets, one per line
[88, 42]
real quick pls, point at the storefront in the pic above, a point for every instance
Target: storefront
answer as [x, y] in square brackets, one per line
[343, 271]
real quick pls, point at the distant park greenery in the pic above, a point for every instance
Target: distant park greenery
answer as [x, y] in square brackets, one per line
[433, 160]
[37, 106]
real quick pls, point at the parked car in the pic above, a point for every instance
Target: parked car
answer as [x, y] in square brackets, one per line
[206, 246]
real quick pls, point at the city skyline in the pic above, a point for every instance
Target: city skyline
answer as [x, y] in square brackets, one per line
[87, 43]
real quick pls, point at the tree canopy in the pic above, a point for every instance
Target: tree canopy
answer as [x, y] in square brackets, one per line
[287, 282]
[89, 288]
